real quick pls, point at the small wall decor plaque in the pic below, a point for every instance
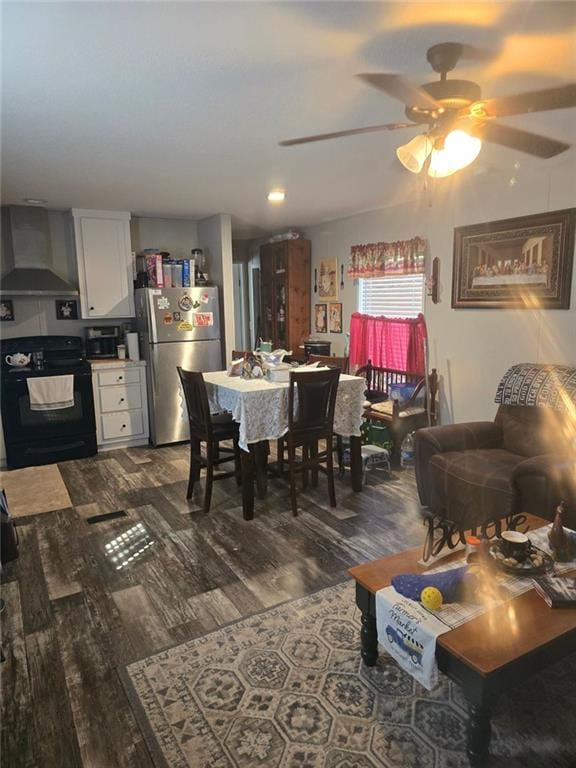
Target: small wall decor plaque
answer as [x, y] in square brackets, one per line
[6, 310]
[335, 317]
[66, 309]
[328, 279]
[320, 318]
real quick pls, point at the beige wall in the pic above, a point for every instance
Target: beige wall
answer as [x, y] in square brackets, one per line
[215, 235]
[177, 236]
[470, 348]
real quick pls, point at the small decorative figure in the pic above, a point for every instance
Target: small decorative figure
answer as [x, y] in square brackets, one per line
[560, 543]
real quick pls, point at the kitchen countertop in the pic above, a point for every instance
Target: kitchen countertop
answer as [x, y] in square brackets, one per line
[114, 362]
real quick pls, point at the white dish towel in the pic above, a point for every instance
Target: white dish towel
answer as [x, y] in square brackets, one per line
[51, 393]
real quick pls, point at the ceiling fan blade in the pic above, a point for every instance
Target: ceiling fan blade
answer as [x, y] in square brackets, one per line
[562, 97]
[474, 53]
[351, 132]
[524, 141]
[400, 88]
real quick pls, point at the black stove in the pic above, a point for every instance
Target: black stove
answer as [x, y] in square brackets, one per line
[45, 437]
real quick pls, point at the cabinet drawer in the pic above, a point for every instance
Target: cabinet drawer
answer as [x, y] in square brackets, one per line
[117, 425]
[119, 376]
[122, 398]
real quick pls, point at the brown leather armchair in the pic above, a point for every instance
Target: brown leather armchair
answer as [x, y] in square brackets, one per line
[522, 462]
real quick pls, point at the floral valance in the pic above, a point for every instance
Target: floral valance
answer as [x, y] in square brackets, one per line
[404, 257]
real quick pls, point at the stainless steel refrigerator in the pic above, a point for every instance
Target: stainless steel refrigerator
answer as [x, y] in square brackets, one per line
[176, 327]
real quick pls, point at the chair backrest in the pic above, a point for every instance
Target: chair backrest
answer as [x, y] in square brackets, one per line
[330, 361]
[316, 391]
[239, 354]
[381, 379]
[197, 403]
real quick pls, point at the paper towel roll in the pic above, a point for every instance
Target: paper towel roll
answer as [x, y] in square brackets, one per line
[132, 343]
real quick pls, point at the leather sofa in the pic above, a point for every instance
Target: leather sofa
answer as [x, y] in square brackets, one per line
[522, 462]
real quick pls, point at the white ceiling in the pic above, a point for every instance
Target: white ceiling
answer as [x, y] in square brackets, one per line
[175, 109]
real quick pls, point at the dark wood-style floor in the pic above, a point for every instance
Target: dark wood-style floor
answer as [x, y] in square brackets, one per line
[74, 614]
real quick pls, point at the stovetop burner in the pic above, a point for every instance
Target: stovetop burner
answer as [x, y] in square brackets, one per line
[60, 355]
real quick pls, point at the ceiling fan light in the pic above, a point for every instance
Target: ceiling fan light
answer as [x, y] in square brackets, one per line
[413, 155]
[460, 149]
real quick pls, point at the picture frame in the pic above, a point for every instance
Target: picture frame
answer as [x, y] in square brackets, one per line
[321, 318]
[335, 317]
[66, 309]
[328, 279]
[520, 263]
[6, 310]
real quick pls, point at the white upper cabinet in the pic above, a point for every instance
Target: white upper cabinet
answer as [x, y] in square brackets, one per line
[104, 256]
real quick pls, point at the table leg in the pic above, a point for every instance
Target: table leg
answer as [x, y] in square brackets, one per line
[247, 464]
[369, 640]
[368, 633]
[356, 462]
[261, 451]
[478, 733]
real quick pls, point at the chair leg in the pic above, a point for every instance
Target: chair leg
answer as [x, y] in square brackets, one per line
[291, 466]
[314, 462]
[209, 478]
[305, 460]
[340, 454]
[195, 465]
[280, 456]
[330, 474]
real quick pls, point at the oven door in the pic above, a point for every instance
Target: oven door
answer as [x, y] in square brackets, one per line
[41, 437]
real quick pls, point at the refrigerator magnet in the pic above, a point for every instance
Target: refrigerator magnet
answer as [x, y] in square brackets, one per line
[184, 326]
[203, 319]
[177, 316]
[168, 318]
[185, 303]
[163, 303]
[205, 298]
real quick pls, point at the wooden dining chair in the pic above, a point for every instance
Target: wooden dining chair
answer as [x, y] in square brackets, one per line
[209, 429]
[331, 361]
[310, 420]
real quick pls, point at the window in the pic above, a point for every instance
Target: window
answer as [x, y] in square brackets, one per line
[399, 296]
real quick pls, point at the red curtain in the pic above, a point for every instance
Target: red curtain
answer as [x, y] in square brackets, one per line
[402, 257]
[388, 342]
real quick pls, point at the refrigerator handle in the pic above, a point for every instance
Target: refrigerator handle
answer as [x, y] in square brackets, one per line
[154, 378]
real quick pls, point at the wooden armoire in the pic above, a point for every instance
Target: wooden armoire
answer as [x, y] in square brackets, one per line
[285, 294]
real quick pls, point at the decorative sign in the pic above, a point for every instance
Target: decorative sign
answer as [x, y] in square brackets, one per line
[320, 325]
[335, 317]
[6, 310]
[328, 279]
[66, 309]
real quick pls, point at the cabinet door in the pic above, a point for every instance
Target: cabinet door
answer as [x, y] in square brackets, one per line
[298, 291]
[267, 279]
[104, 265]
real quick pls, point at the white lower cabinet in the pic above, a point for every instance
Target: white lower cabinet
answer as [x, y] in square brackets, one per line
[120, 403]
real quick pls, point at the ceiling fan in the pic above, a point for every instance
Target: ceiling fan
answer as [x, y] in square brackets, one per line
[456, 116]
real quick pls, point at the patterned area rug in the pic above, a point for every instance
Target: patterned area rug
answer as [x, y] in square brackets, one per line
[287, 688]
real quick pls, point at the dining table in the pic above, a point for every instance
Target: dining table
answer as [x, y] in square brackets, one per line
[260, 407]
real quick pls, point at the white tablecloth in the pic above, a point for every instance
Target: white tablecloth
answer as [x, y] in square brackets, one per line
[261, 407]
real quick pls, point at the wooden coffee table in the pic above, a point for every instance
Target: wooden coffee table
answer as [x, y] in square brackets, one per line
[485, 656]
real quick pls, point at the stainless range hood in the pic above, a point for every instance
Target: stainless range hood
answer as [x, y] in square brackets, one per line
[27, 255]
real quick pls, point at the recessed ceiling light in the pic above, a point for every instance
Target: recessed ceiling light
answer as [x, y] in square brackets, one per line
[35, 201]
[276, 196]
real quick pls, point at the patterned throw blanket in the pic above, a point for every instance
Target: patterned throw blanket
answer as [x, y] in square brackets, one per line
[549, 386]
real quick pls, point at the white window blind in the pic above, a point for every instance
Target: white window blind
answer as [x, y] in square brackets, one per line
[394, 296]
